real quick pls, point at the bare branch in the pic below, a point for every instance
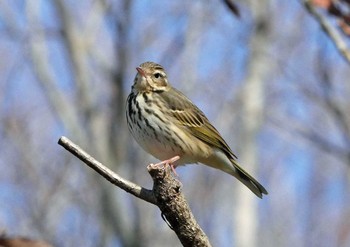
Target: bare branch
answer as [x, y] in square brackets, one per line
[105, 172]
[330, 30]
[166, 194]
[232, 7]
[175, 209]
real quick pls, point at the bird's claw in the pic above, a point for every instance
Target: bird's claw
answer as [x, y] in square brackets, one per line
[167, 162]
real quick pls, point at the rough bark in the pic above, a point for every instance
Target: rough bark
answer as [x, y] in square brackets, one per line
[166, 194]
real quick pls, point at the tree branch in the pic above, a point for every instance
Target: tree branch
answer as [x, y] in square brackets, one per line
[105, 172]
[166, 194]
[331, 31]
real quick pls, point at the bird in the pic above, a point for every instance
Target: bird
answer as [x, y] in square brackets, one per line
[170, 127]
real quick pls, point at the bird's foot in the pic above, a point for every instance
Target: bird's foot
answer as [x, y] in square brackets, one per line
[168, 162]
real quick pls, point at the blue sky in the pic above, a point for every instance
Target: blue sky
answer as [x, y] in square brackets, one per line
[300, 177]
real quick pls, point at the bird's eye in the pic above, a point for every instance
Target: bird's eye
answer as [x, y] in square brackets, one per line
[157, 75]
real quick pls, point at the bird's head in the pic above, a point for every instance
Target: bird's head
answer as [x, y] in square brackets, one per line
[150, 77]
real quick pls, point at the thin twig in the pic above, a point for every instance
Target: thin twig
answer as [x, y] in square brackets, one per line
[105, 172]
[232, 6]
[330, 30]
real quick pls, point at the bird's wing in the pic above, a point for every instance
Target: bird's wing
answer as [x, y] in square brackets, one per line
[191, 117]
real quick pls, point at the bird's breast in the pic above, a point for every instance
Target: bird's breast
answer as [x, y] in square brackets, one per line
[158, 133]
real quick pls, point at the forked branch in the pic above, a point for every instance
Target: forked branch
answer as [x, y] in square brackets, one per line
[166, 194]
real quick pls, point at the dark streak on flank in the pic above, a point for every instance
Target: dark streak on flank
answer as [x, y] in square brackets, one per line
[138, 108]
[172, 139]
[179, 138]
[130, 110]
[151, 112]
[152, 128]
[138, 124]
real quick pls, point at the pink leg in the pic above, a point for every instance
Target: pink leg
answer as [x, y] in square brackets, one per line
[168, 162]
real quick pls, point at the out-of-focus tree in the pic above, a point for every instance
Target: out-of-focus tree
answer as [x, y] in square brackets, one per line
[272, 82]
[252, 101]
[336, 9]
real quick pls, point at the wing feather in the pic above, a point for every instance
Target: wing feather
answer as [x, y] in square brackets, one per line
[192, 118]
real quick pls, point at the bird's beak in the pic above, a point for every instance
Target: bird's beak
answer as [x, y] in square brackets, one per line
[141, 71]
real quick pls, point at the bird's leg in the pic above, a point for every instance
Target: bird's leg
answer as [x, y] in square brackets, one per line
[168, 162]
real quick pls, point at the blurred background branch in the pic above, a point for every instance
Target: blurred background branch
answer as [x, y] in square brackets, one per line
[329, 28]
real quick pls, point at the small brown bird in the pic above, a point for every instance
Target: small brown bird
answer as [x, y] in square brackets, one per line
[166, 124]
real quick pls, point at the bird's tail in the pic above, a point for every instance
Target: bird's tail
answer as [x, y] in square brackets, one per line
[247, 179]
